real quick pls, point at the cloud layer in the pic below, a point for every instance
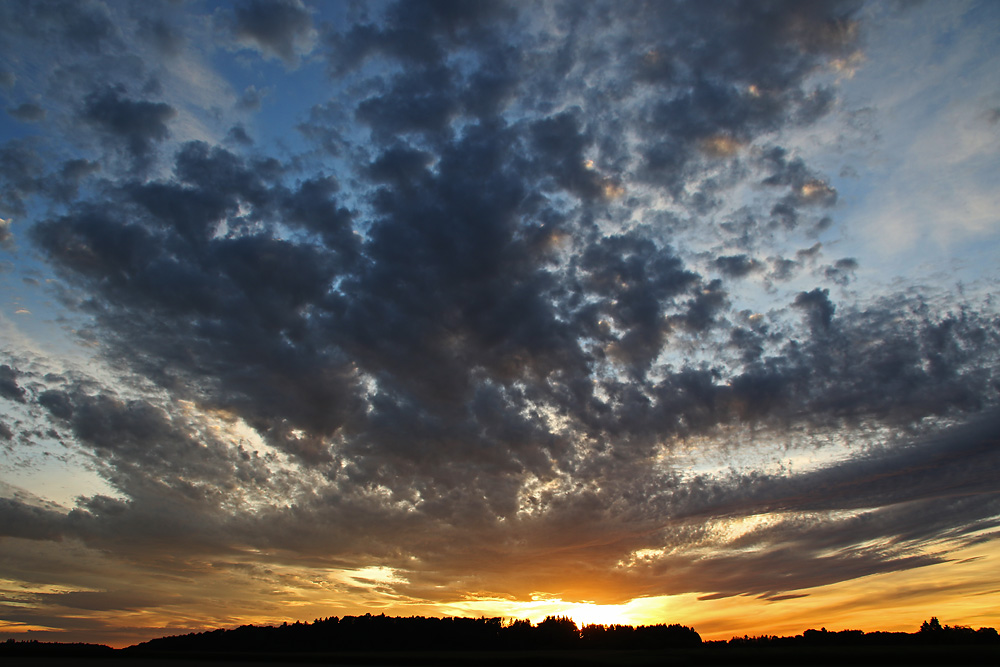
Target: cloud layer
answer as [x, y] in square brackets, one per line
[491, 312]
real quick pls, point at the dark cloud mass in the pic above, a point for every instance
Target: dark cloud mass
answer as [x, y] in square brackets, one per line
[9, 388]
[486, 333]
[277, 27]
[137, 125]
[27, 112]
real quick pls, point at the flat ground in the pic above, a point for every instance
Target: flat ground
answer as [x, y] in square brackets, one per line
[880, 656]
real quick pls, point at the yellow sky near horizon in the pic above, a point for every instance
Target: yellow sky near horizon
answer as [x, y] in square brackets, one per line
[964, 591]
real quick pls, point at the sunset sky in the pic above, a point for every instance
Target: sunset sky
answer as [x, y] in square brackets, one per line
[639, 312]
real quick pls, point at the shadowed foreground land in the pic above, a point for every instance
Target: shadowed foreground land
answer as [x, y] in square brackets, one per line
[706, 656]
[373, 641]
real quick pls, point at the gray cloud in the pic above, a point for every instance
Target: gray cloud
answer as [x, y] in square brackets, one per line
[817, 306]
[736, 266]
[480, 338]
[27, 112]
[281, 28]
[20, 171]
[166, 38]
[250, 99]
[136, 125]
[84, 26]
[9, 388]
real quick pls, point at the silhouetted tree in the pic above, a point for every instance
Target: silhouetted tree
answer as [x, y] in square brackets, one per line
[388, 633]
[519, 634]
[558, 632]
[931, 626]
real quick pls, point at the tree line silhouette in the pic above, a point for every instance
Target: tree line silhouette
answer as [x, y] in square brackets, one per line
[931, 633]
[392, 633]
[370, 633]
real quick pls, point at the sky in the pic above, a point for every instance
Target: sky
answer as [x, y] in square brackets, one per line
[637, 312]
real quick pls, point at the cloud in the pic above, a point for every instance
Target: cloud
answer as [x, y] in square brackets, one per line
[478, 329]
[165, 38]
[6, 236]
[406, 475]
[136, 125]
[20, 172]
[9, 388]
[18, 519]
[419, 33]
[100, 600]
[842, 271]
[251, 99]
[279, 28]
[736, 266]
[85, 26]
[27, 112]
[817, 306]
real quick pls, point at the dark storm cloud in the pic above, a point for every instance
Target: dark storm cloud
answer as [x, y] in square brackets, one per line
[637, 282]
[234, 293]
[810, 254]
[454, 285]
[27, 112]
[82, 25]
[842, 271]
[748, 342]
[572, 522]
[473, 344]
[280, 28]
[928, 492]
[23, 176]
[21, 168]
[18, 519]
[817, 307]
[100, 600]
[736, 266]
[176, 475]
[703, 309]
[814, 535]
[88, 63]
[137, 125]
[805, 188]
[9, 387]
[164, 37]
[63, 185]
[956, 465]
[238, 135]
[752, 85]
[420, 33]
[423, 104]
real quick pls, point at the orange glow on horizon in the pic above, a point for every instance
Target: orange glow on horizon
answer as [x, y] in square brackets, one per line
[953, 591]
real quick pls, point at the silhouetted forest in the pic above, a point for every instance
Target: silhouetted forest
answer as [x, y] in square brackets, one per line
[12, 647]
[380, 634]
[390, 633]
[931, 633]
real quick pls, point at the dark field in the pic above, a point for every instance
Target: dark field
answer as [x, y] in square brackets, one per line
[705, 655]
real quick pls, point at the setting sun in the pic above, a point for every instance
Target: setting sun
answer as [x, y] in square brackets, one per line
[597, 614]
